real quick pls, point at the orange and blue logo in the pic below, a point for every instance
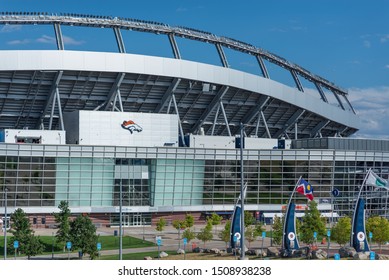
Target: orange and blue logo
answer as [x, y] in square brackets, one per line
[131, 126]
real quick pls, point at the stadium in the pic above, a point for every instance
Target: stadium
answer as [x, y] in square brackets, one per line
[152, 136]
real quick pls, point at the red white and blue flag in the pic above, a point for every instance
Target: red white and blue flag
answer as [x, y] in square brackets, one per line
[305, 188]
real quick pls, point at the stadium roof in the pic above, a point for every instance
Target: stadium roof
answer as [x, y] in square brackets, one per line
[33, 83]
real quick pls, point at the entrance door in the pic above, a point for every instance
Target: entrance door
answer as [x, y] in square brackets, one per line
[137, 220]
[126, 220]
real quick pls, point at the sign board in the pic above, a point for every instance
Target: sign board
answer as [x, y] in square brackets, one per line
[185, 241]
[16, 244]
[328, 233]
[337, 257]
[372, 255]
[68, 245]
[98, 246]
[159, 242]
[370, 235]
[315, 234]
[263, 234]
[237, 234]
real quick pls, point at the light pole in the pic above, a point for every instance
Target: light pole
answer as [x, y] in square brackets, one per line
[242, 252]
[5, 223]
[120, 221]
[143, 224]
[52, 246]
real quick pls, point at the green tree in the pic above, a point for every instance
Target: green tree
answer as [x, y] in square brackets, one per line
[189, 235]
[225, 234]
[34, 246]
[216, 220]
[278, 229]
[189, 221]
[379, 226]
[160, 226]
[312, 221]
[29, 244]
[179, 225]
[248, 219]
[62, 219]
[83, 236]
[205, 233]
[341, 231]
[250, 234]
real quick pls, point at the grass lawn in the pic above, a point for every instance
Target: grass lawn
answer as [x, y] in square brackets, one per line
[138, 256]
[107, 243]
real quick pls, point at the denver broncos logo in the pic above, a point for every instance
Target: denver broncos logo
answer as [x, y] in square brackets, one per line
[131, 126]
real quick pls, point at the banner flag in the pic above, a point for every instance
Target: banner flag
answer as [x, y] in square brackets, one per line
[305, 188]
[376, 181]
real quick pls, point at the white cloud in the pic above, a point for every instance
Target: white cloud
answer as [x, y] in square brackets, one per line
[70, 41]
[384, 38]
[18, 42]
[372, 107]
[366, 44]
[387, 66]
[10, 28]
[44, 39]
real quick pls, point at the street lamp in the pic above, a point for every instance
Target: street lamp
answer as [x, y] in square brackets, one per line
[242, 252]
[52, 246]
[120, 221]
[5, 223]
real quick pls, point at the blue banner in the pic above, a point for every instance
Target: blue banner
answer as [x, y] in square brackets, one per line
[290, 241]
[235, 225]
[358, 235]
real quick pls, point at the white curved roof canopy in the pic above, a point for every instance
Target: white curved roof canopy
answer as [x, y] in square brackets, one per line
[206, 96]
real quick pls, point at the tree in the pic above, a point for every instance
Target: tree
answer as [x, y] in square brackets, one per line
[248, 219]
[379, 226]
[278, 229]
[83, 236]
[178, 225]
[341, 231]
[62, 219]
[225, 234]
[312, 221]
[189, 221]
[250, 234]
[161, 224]
[29, 244]
[216, 220]
[189, 235]
[33, 247]
[205, 234]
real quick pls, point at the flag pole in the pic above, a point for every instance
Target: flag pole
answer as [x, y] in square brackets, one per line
[287, 209]
[356, 203]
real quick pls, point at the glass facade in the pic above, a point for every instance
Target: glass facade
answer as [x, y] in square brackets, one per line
[182, 179]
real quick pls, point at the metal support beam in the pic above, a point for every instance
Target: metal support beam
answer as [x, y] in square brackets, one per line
[50, 98]
[297, 80]
[338, 99]
[214, 103]
[349, 104]
[262, 65]
[119, 40]
[173, 43]
[179, 120]
[113, 92]
[59, 37]
[319, 127]
[215, 120]
[265, 123]
[289, 123]
[59, 108]
[321, 92]
[254, 111]
[167, 95]
[225, 118]
[222, 55]
[257, 125]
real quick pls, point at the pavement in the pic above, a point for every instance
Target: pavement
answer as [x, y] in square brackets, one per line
[170, 241]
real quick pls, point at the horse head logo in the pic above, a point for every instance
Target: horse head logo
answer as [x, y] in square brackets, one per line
[131, 126]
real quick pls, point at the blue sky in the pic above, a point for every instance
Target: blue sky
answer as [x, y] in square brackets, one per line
[346, 42]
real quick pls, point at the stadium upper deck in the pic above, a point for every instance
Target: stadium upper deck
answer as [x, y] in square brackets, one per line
[37, 87]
